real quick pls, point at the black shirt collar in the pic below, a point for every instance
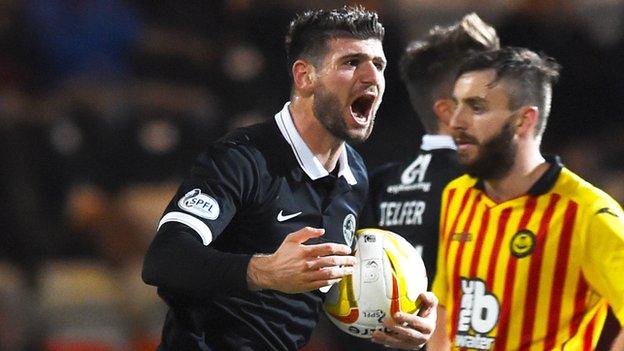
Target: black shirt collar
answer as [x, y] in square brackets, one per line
[544, 183]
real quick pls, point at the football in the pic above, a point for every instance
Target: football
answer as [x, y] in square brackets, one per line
[388, 277]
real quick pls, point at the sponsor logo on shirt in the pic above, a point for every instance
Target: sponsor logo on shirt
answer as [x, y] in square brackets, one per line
[199, 204]
[607, 211]
[461, 237]
[478, 315]
[401, 213]
[281, 217]
[413, 176]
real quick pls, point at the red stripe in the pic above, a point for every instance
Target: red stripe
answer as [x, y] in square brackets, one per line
[479, 245]
[458, 260]
[449, 234]
[561, 268]
[589, 333]
[510, 276]
[500, 235]
[449, 198]
[452, 283]
[530, 302]
[473, 209]
[529, 208]
[579, 305]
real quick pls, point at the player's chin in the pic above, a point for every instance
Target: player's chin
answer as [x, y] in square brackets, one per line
[466, 158]
[359, 133]
[359, 137]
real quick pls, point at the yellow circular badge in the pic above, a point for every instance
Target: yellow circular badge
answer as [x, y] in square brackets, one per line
[522, 243]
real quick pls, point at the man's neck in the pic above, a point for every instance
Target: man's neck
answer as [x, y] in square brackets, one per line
[325, 147]
[524, 173]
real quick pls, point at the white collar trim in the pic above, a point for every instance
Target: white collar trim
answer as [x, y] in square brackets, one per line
[306, 159]
[437, 141]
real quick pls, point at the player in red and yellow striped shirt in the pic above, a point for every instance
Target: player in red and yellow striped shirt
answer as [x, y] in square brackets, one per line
[530, 254]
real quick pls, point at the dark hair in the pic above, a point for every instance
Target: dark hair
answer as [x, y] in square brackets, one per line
[309, 32]
[530, 77]
[429, 66]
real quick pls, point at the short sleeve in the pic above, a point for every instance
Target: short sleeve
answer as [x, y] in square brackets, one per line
[604, 248]
[440, 282]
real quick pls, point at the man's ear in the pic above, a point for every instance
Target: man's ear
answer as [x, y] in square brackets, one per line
[443, 109]
[526, 122]
[304, 76]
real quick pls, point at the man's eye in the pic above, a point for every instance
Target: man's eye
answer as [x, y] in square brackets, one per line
[477, 108]
[380, 66]
[353, 62]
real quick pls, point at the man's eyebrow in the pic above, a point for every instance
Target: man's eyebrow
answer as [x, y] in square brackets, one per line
[474, 100]
[361, 55]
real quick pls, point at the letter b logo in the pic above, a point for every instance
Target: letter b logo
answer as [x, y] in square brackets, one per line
[478, 310]
[484, 310]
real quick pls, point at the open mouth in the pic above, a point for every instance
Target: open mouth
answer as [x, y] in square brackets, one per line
[362, 107]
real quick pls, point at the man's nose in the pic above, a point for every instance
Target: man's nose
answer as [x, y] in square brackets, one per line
[370, 73]
[459, 119]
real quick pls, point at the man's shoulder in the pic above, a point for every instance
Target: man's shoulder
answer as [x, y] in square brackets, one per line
[262, 140]
[254, 146]
[256, 135]
[581, 191]
[436, 166]
[462, 182]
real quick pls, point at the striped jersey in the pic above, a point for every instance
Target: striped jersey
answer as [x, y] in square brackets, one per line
[532, 273]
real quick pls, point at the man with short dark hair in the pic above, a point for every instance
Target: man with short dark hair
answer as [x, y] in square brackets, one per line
[268, 214]
[530, 254]
[405, 196]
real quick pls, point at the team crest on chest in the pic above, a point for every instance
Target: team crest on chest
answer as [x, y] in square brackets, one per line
[348, 228]
[522, 243]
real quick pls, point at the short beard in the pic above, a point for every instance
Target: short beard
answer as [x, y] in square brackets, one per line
[327, 109]
[496, 156]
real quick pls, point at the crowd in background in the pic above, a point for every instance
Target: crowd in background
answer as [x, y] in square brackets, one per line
[105, 103]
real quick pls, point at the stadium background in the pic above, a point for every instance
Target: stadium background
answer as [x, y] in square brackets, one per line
[105, 103]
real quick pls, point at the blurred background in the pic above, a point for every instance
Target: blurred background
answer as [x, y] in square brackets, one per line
[104, 104]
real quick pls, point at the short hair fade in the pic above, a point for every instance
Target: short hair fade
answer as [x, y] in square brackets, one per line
[428, 66]
[530, 76]
[309, 32]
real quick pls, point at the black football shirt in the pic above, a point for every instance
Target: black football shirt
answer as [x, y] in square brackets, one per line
[244, 195]
[405, 196]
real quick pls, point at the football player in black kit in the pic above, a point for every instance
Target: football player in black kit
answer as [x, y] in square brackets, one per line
[268, 214]
[405, 196]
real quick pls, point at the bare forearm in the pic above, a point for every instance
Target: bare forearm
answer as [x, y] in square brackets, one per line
[296, 267]
[439, 339]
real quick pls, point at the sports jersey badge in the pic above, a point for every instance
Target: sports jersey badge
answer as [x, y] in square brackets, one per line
[348, 228]
[479, 313]
[522, 243]
[413, 177]
[199, 204]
